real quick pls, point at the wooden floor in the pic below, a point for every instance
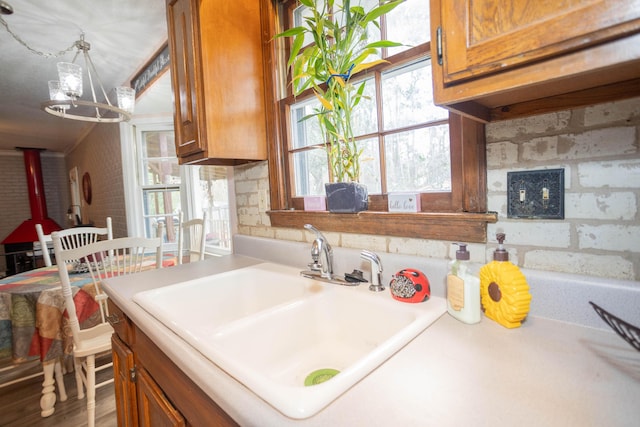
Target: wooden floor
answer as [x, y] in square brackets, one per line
[20, 404]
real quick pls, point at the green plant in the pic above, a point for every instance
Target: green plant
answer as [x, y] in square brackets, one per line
[340, 50]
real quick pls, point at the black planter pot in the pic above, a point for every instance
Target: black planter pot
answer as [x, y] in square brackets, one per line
[346, 197]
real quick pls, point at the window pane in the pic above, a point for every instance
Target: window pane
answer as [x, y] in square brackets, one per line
[159, 160]
[364, 118]
[305, 132]
[211, 194]
[298, 21]
[408, 97]
[311, 172]
[158, 144]
[161, 171]
[419, 160]
[370, 165]
[408, 24]
[373, 32]
[161, 205]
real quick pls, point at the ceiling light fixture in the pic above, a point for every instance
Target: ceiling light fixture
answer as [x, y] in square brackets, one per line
[5, 8]
[65, 93]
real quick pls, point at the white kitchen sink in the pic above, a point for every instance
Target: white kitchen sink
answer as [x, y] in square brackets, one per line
[272, 329]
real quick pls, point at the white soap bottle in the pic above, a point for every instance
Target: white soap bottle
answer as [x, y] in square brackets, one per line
[463, 288]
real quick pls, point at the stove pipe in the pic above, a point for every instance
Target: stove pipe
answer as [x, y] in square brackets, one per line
[26, 232]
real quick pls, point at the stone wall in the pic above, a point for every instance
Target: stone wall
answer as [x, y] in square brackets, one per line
[599, 148]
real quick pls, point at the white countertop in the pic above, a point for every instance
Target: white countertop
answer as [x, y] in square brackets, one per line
[546, 373]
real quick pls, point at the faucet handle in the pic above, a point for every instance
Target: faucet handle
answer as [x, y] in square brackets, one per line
[373, 257]
[376, 270]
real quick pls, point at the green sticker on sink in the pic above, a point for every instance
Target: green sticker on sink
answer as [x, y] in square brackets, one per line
[320, 376]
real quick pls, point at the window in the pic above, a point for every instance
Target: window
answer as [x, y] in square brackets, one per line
[158, 188]
[397, 130]
[159, 182]
[409, 144]
[208, 190]
[397, 126]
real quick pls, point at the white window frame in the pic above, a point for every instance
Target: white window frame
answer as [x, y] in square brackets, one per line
[131, 137]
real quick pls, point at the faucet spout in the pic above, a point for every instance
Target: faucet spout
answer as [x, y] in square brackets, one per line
[321, 252]
[376, 270]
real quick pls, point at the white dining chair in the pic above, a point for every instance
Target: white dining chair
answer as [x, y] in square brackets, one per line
[195, 233]
[73, 238]
[106, 258]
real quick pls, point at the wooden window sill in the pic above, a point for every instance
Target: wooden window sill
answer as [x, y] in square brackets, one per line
[452, 226]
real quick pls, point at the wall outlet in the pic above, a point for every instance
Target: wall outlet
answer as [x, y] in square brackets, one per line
[536, 194]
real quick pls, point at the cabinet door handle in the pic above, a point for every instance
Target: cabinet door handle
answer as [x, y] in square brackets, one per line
[439, 45]
[113, 319]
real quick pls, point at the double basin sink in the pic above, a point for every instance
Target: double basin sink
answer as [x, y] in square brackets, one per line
[296, 342]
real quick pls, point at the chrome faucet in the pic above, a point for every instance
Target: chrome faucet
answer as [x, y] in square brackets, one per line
[376, 270]
[321, 253]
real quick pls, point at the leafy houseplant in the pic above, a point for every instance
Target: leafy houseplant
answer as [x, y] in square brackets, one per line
[339, 51]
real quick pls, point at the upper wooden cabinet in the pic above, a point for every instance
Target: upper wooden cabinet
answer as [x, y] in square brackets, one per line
[496, 59]
[217, 79]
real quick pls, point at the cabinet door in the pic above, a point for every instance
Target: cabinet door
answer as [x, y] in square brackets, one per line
[154, 408]
[480, 37]
[125, 388]
[184, 40]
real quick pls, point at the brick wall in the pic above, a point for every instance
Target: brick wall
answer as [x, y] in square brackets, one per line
[14, 196]
[56, 186]
[249, 181]
[99, 154]
[599, 148]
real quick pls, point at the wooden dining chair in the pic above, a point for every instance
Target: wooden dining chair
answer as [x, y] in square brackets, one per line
[73, 238]
[196, 234]
[106, 258]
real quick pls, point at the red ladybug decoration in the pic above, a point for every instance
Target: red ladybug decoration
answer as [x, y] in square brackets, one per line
[410, 285]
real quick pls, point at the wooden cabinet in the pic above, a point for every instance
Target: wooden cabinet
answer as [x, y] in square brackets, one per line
[154, 408]
[150, 389]
[124, 382]
[496, 59]
[217, 79]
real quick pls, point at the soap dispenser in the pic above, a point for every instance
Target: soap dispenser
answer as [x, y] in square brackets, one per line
[504, 290]
[463, 288]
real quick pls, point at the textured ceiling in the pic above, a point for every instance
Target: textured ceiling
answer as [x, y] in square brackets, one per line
[124, 35]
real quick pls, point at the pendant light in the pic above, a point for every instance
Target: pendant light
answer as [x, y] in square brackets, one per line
[66, 92]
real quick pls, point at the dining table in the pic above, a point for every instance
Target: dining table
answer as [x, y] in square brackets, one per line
[34, 324]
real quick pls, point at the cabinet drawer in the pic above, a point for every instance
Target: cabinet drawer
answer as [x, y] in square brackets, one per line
[120, 323]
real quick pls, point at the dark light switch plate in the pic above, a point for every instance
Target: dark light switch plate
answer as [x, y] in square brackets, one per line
[536, 194]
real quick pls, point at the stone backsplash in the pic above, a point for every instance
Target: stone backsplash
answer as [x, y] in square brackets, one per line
[599, 148]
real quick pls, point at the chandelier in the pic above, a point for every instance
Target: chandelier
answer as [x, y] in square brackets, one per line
[65, 93]
[5, 8]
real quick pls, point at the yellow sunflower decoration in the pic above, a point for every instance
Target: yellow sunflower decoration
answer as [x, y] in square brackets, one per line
[504, 291]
